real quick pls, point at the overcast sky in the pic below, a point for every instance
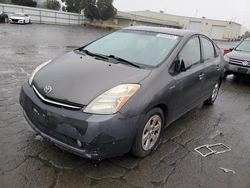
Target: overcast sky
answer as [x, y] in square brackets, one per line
[236, 10]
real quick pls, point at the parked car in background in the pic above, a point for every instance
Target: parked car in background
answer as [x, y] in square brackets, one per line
[237, 60]
[116, 94]
[20, 18]
[3, 17]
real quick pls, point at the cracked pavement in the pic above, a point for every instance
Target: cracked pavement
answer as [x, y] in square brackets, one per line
[27, 160]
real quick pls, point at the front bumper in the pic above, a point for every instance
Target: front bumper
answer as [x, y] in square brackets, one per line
[234, 68]
[87, 135]
[16, 21]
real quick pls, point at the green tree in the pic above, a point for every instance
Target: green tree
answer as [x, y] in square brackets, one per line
[90, 9]
[106, 9]
[93, 9]
[74, 5]
[247, 34]
[53, 5]
[29, 3]
[5, 1]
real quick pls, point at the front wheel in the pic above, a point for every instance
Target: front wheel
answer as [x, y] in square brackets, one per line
[149, 133]
[214, 94]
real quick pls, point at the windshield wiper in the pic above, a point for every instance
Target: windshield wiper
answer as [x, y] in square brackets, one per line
[94, 54]
[237, 49]
[109, 56]
[124, 61]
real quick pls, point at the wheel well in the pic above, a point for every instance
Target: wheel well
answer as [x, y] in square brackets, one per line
[164, 108]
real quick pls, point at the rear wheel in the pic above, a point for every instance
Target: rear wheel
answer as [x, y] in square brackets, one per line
[149, 133]
[214, 94]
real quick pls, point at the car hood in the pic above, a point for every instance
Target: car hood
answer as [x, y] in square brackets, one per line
[17, 17]
[239, 55]
[78, 79]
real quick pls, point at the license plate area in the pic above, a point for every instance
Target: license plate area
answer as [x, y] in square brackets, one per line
[242, 70]
[39, 115]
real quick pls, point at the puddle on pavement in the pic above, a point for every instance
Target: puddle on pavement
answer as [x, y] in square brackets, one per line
[71, 47]
[20, 53]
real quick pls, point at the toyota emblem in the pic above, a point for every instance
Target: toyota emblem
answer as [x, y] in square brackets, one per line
[245, 63]
[47, 89]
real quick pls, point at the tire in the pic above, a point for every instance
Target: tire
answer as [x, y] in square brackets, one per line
[214, 94]
[29, 21]
[148, 136]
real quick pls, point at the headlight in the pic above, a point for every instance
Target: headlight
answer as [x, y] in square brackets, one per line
[226, 58]
[112, 100]
[36, 70]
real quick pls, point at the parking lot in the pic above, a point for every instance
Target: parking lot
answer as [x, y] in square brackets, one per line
[27, 160]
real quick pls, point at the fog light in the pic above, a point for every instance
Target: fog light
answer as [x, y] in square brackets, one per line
[79, 143]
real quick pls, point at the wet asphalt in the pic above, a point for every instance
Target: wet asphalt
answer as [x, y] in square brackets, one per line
[26, 160]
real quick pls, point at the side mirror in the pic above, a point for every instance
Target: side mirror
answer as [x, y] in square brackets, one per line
[231, 49]
[180, 66]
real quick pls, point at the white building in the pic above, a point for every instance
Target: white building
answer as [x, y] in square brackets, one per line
[216, 29]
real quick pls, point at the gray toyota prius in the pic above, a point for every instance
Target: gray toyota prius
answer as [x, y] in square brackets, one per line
[116, 94]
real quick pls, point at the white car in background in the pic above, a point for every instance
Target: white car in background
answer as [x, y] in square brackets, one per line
[20, 18]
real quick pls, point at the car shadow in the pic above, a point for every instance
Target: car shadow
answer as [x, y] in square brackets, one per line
[241, 80]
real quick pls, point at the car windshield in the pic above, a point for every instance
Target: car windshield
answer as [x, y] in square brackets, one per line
[148, 49]
[244, 46]
[18, 15]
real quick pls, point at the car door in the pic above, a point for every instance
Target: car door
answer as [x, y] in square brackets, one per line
[211, 61]
[190, 79]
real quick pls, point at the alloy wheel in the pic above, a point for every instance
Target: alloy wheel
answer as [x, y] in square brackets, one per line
[215, 91]
[151, 132]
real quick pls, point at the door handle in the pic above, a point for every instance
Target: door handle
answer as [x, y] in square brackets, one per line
[201, 75]
[172, 87]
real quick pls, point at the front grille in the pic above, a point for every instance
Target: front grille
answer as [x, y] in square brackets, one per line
[14, 20]
[56, 103]
[239, 62]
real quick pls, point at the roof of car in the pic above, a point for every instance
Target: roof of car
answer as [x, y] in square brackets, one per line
[179, 32]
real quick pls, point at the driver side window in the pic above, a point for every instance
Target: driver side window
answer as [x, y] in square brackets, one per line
[190, 54]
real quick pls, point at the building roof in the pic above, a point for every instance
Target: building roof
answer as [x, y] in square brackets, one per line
[179, 32]
[134, 17]
[162, 16]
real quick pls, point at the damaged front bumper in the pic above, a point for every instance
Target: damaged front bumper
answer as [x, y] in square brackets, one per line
[87, 135]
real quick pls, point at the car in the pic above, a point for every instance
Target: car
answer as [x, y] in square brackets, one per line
[20, 18]
[116, 94]
[237, 60]
[3, 17]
